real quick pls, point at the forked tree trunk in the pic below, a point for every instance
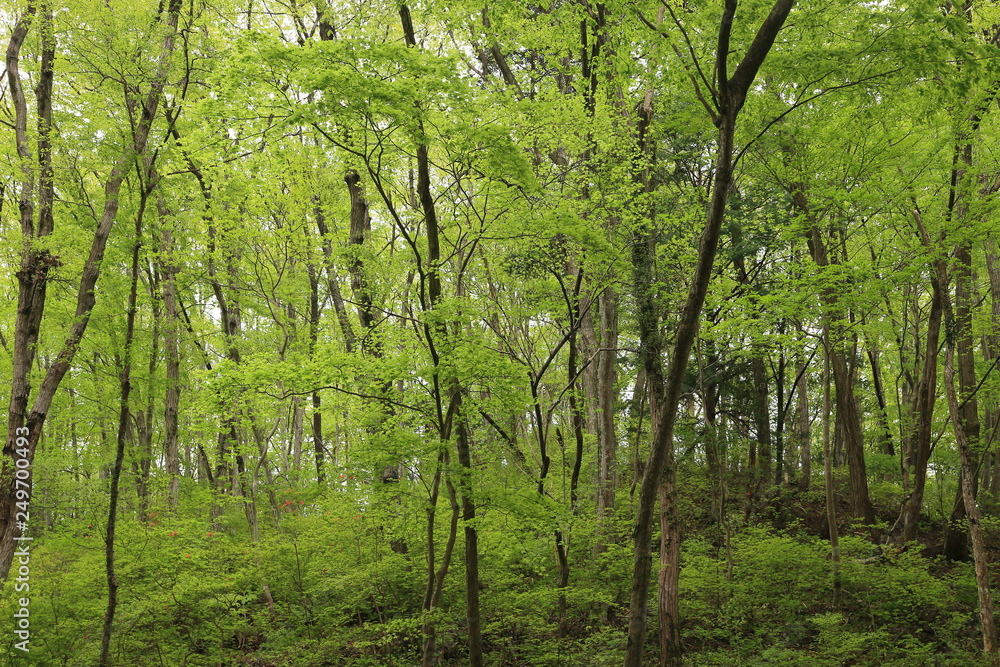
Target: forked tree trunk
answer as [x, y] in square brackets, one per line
[436, 574]
[924, 399]
[665, 388]
[435, 335]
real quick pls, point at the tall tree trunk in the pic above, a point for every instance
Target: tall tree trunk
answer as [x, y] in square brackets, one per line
[980, 556]
[607, 436]
[434, 335]
[435, 578]
[848, 414]
[803, 428]
[665, 392]
[474, 624]
[168, 272]
[319, 450]
[760, 452]
[779, 422]
[123, 430]
[831, 499]
[956, 546]
[436, 574]
[762, 425]
[991, 350]
[35, 265]
[905, 529]
[668, 598]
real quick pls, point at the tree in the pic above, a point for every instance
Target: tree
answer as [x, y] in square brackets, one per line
[665, 392]
[36, 261]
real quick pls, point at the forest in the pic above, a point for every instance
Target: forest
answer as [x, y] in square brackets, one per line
[439, 333]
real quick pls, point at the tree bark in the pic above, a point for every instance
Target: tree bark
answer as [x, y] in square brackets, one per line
[956, 546]
[905, 528]
[607, 437]
[884, 434]
[848, 415]
[168, 279]
[831, 499]
[980, 555]
[34, 265]
[803, 431]
[665, 392]
[431, 282]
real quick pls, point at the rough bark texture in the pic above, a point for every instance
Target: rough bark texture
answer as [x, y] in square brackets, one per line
[956, 545]
[168, 274]
[361, 227]
[831, 500]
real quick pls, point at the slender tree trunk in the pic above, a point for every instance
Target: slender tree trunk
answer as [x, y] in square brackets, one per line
[779, 422]
[991, 350]
[831, 499]
[434, 335]
[668, 600]
[804, 435]
[332, 282]
[980, 556]
[924, 399]
[168, 272]
[956, 546]
[709, 387]
[848, 415]
[248, 483]
[471, 549]
[297, 433]
[435, 579]
[762, 423]
[665, 392]
[142, 436]
[884, 434]
[317, 415]
[760, 453]
[123, 430]
[607, 445]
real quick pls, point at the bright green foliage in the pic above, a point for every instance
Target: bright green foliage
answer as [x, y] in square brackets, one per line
[530, 119]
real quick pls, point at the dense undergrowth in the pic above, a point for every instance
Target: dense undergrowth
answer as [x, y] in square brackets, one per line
[346, 571]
